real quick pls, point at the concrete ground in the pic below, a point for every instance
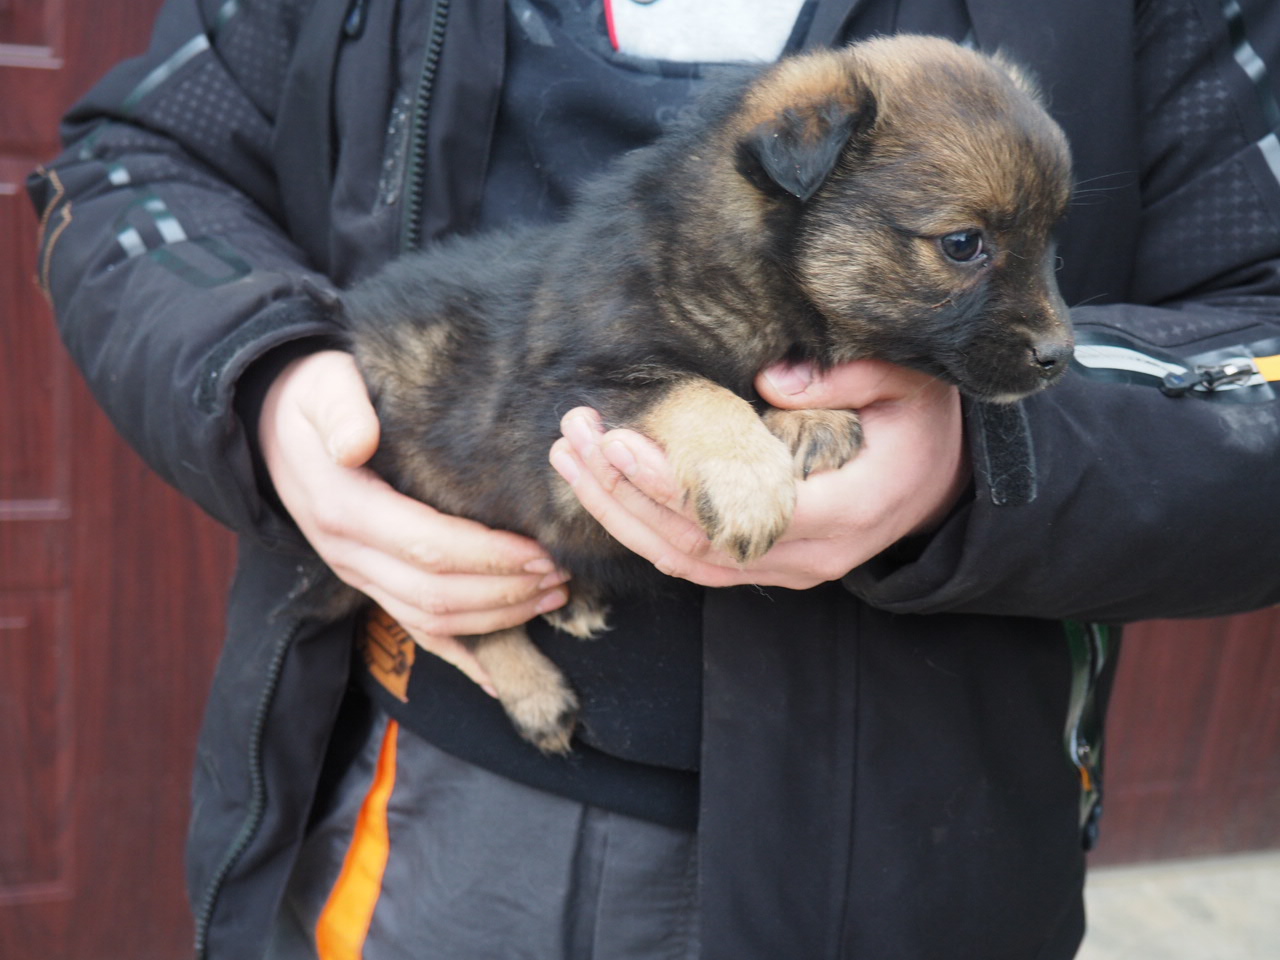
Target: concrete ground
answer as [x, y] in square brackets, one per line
[1226, 908]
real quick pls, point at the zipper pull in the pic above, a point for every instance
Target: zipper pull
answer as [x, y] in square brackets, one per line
[1231, 373]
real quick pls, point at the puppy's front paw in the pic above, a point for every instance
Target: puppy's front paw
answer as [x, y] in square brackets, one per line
[733, 472]
[817, 439]
[745, 501]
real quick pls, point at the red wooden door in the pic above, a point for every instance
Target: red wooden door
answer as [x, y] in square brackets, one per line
[110, 586]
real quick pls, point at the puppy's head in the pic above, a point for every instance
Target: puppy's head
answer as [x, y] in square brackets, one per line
[920, 183]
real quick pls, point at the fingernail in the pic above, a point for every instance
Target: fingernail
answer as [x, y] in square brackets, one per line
[565, 465]
[552, 600]
[553, 579]
[581, 433]
[540, 565]
[790, 379]
[619, 455]
[340, 445]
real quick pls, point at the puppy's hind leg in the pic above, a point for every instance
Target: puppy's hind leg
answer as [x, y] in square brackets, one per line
[818, 439]
[533, 691]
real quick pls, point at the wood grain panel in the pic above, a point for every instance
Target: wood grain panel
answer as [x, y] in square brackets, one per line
[33, 462]
[111, 586]
[1193, 751]
[150, 574]
[33, 550]
[29, 23]
[35, 747]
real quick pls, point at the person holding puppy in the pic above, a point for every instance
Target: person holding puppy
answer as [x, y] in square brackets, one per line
[852, 747]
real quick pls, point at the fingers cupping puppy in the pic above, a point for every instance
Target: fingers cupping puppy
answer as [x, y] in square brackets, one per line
[912, 470]
[440, 576]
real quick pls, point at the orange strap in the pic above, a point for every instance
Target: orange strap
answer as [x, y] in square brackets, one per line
[344, 921]
[1269, 367]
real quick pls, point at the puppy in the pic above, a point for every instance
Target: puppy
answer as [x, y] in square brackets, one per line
[893, 199]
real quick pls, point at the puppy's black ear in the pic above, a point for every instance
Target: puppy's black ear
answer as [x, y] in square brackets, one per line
[796, 149]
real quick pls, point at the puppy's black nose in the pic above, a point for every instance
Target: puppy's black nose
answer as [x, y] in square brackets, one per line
[1051, 356]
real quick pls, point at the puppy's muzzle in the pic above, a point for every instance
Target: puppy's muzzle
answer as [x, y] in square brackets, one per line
[1051, 357]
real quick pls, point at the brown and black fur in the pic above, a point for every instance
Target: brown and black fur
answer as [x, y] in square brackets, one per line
[804, 217]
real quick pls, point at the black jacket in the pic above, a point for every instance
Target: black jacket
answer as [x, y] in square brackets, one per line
[883, 771]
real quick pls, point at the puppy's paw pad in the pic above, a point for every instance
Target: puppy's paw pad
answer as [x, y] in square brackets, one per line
[818, 439]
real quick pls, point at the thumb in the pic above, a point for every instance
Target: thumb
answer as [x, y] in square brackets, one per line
[787, 384]
[338, 407]
[847, 386]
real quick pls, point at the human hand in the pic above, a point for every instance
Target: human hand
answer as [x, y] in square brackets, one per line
[912, 469]
[441, 577]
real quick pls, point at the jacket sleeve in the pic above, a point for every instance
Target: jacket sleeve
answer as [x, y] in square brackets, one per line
[1111, 501]
[161, 249]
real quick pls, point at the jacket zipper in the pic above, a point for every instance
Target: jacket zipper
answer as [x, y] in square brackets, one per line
[416, 169]
[258, 793]
[1093, 647]
[410, 239]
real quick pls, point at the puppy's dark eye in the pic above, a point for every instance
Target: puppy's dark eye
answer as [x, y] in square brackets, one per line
[964, 246]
